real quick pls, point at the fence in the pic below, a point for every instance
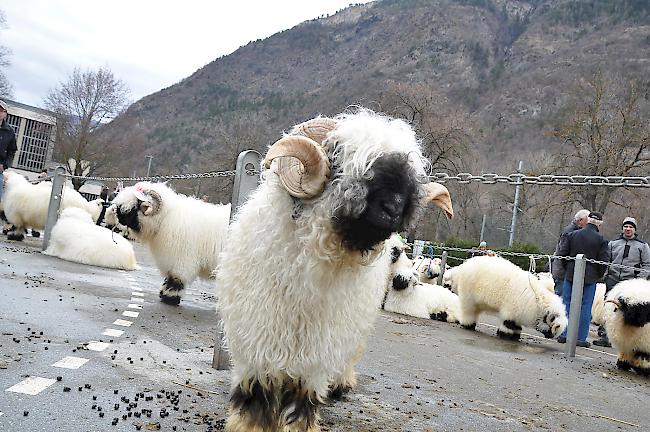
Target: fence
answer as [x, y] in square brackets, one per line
[246, 179]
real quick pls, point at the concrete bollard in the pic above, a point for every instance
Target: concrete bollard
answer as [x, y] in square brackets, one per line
[246, 181]
[576, 305]
[55, 203]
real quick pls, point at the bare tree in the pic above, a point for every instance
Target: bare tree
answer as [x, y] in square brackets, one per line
[82, 104]
[6, 89]
[606, 133]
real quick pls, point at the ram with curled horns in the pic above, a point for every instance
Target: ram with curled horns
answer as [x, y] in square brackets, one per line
[333, 191]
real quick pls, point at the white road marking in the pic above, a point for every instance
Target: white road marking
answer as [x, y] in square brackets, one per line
[32, 385]
[131, 314]
[134, 306]
[123, 323]
[113, 332]
[136, 288]
[137, 293]
[137, 299]
[97, 346]
[0, 413]
[70, 362]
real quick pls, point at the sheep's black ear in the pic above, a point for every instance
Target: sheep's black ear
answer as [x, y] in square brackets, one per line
[394, 254]
[636, 315]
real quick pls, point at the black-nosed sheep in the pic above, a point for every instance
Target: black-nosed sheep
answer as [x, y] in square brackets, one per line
[302, 275]
[627, 314]
[494, 284]
[184, 234]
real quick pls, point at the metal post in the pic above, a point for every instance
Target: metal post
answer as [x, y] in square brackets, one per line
[483, 228]
[576, 305]
[150, 157]
[246, 181]
[515, 206]
[443, 263]
[55, 203]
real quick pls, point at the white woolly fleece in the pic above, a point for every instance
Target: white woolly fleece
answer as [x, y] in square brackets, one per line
[26, 204]
[423, 300]
[185, 236]
[76, 238]
[494, 284]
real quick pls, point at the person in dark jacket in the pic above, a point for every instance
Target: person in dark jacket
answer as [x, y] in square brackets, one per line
[7, 143]
[630, 251]
[589, 242]
[579, 221]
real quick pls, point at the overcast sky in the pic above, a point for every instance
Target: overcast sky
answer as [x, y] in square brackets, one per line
[148, 44]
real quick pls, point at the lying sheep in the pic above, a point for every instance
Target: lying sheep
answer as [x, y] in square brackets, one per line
[302, 275]
[627, 314]
[26, 204]
[75, 237]
[428, 268]
[494, 284]
[406, 295]
[184, 234]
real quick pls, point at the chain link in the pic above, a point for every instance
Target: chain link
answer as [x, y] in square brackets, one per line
[210, 174]
[544, 180]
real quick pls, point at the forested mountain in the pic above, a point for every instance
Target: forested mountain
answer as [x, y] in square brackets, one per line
[485, 82]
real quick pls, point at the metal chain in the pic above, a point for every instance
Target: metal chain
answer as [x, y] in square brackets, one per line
[210, 174]
[544, 180]
[534, 256]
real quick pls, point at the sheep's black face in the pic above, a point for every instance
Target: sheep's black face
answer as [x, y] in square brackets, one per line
[129, 217]
[634, 314]
[395, 252]
[400, 282]
[375, 207]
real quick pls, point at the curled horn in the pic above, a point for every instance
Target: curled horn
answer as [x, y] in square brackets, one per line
[303, 166]
[439, 195]
[152, 204]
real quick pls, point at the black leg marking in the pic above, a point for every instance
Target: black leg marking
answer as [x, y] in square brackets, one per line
[469, 326]
[511, 325]
[170, 292]
[36, 234]
[623, 365]
[508, 336]
[16, 234]
[259, 406]
[439, 316]
[297, 407]
[336, 393]
[645, 372]
[642, 355]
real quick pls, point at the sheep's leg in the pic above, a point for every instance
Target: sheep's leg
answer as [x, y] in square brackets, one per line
[468, 315]
[298, 408]
[509, 330]
[253, 408]
[623, 362]
[16, 233]
[641, 363]
[171, 291]
[346, 382]
[439, 316]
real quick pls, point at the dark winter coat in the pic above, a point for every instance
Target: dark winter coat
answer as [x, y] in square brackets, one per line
[7, 144]
[558, 270]
[590, 242]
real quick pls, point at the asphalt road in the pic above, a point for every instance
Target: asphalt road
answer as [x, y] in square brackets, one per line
[417, 375]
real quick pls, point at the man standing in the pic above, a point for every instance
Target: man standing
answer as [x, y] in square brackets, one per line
[589, 242]
[7, 143]
[630, 251]
[557, 270]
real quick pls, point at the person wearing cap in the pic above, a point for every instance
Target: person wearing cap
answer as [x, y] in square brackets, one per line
[7, 143]
[630, 251]
[589, 242]
[578, 222]
[482, 250]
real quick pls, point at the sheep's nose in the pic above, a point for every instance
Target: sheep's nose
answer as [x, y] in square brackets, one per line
[394, 205]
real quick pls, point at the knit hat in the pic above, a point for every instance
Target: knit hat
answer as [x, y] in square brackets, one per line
[596, 216]
[629, 221]
[484, 244]
[4, 105]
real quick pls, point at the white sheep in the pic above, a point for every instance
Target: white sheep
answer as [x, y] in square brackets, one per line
[406, 295]
[428, 268]
[627, 314]
[494, 284]
[26, 204]
[302, 275]
[597, 307]
[75, 237]
[183, 234]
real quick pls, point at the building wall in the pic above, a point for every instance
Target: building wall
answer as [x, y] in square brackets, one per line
[35, 130]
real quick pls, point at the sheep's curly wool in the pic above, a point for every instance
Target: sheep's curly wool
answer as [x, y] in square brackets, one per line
[76, 238]
[184, 234]
[300, 286]
[627, 314]
[494, 284]
[26, 205]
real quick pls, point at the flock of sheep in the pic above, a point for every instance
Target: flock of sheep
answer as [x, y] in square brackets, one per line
[309, 260]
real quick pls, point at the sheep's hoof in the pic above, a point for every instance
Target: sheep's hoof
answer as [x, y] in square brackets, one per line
[623, 365]
[16, 237]
[508, 336]
[337, 393]
[36, 234]
[439, 316]
[645, 372]
[471, 326]
[170, 300]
